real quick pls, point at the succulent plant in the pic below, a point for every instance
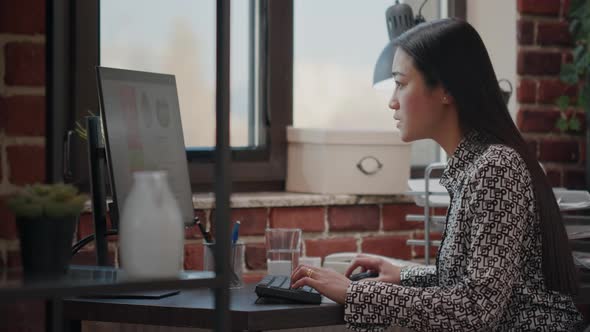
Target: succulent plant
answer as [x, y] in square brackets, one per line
[47, 200]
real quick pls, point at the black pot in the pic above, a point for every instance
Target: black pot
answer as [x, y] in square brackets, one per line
[45, 246]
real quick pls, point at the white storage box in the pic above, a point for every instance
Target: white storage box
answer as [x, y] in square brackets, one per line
[335, 161]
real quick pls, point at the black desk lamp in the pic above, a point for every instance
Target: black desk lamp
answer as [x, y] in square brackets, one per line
[399, 18]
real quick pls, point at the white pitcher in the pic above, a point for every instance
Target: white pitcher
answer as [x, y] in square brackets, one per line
[151, 240]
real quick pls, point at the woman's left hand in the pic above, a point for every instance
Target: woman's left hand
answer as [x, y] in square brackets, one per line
[328, 282]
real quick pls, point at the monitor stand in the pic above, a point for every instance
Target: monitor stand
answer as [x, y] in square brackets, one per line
[96, 163]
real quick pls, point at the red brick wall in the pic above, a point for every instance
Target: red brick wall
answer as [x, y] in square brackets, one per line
[379, 229]
[544, 43]
[22, 133]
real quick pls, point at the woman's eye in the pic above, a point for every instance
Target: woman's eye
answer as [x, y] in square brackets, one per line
[398, 84]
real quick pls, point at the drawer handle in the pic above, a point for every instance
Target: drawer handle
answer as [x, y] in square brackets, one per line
[369, 165]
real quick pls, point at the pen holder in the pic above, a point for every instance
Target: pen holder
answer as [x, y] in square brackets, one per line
[236, 257]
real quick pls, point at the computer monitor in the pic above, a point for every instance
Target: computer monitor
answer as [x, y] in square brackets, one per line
[143, 132]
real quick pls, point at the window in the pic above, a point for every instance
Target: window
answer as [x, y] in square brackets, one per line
[178, 37]
[340, 41]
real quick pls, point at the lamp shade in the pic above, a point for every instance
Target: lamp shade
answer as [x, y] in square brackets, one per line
[382, 76]
[399, 18]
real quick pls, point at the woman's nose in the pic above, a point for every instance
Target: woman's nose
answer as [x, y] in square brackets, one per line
[394, 103]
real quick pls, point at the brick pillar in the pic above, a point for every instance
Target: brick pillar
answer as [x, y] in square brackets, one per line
[22, 133]
[544, 43]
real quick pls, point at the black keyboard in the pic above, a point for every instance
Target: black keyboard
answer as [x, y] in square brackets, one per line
[279, 287]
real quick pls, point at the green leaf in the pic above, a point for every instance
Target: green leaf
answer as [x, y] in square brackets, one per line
[582, 100]
[51, 200]
[23, 207]
[579, 52]
[563, 102]
[582, 33]
[562, 124]
[582, 64]
[574, 123]
[569, 74]
[575, 4]
[574, 26]
[584, 97]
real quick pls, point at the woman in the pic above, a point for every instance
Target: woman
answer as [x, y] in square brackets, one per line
[504, 261]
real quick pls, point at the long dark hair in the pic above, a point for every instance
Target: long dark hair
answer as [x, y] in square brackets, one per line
[450, 52]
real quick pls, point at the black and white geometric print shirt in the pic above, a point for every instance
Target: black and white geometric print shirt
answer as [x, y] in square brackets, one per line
[488, 274]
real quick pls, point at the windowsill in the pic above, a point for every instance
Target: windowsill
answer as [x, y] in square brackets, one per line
[205, 201]
[289, 199]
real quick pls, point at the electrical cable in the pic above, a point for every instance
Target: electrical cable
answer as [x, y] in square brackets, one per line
[80, 244]
[419, 18]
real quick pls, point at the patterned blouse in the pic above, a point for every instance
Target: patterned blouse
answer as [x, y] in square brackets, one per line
[488, 274]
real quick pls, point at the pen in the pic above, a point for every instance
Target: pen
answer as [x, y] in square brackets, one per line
[235, 232]
[202, 229]
[234, 263]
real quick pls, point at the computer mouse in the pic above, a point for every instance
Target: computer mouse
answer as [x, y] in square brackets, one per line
[363, 275]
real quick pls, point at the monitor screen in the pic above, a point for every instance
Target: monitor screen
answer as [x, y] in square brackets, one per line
[143, 132]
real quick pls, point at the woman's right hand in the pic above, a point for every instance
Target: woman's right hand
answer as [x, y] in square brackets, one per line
[387, 271]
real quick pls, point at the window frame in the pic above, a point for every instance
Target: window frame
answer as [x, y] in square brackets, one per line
[260, 152]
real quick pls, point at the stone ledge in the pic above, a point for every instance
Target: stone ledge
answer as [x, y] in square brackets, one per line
[289, 199]
[204, 201]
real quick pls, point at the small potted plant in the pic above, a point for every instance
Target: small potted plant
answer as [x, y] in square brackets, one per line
[45, 218]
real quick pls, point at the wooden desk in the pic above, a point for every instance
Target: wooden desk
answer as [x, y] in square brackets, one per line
[195, 308]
